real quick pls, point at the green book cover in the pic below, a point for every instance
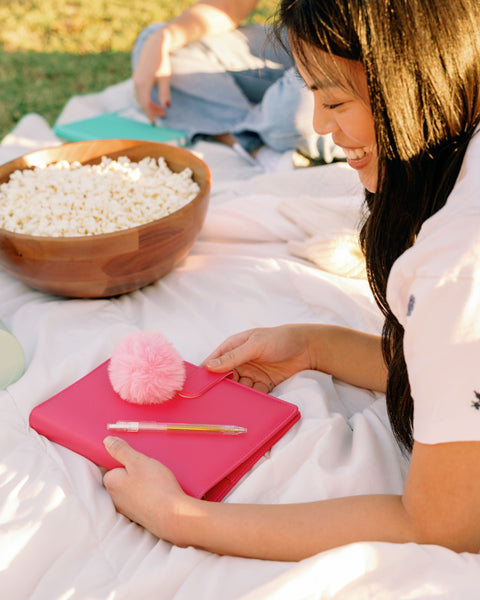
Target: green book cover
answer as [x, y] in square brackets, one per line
[112, 126]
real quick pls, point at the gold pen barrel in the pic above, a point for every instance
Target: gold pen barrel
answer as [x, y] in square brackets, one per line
[197, 427]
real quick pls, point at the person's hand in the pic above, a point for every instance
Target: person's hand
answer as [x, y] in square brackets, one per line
[154, 69]
[264, 357]
[145, 491]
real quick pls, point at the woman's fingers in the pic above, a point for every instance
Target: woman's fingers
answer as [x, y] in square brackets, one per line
[120, 450]
[246, 381]
[263, 387]
[233, 352]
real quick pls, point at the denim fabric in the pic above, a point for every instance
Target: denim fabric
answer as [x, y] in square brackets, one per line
[240, 83]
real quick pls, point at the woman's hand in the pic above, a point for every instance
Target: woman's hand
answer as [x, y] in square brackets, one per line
[264, 357]
[154, 69]
[145, 491]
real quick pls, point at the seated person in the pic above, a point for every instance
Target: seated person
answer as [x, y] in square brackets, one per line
[204, 73]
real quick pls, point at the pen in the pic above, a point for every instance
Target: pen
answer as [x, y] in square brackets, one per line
[134, 426]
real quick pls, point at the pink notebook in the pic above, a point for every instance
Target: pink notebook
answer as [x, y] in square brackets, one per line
[207, 465]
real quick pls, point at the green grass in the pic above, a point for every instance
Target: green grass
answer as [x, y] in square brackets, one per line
[51, 50]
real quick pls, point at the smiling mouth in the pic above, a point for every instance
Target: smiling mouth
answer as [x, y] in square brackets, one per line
[355, 153]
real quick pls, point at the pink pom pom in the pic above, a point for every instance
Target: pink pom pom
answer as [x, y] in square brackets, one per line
[146, 369]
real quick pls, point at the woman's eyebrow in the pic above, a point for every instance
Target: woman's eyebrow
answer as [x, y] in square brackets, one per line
[321, 84]
[318, 84]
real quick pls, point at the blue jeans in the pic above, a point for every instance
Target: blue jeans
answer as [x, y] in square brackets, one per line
[239, 83]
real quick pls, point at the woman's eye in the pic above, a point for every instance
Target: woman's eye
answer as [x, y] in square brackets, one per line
[332, 106]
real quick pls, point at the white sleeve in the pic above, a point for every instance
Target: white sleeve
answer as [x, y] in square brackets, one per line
[442, 352]
[434, 291]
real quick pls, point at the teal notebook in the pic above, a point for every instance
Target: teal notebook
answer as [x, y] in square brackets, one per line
[113, 126]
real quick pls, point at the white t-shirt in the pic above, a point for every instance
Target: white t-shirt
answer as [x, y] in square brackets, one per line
[434, 291]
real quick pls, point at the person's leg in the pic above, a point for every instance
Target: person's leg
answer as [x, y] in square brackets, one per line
[253, 61]
[281, 112]
[283, 119]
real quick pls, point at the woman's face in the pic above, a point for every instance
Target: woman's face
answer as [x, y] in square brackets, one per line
[347, 116]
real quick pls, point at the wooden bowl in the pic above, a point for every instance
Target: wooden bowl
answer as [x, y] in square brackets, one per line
[109, 264]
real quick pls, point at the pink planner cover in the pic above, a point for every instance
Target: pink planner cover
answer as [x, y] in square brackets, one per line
[206, 464]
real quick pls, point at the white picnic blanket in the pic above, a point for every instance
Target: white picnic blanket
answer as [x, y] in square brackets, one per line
[60, 537]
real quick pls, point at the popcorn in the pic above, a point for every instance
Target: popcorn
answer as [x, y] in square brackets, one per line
[71, 199]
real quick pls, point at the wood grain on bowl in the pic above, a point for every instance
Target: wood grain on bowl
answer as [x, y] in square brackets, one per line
[114, 263]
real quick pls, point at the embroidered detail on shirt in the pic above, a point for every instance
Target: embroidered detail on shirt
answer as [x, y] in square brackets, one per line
[476, 403]
[411, 304]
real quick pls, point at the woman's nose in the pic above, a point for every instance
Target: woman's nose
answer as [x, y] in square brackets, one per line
[323, 119]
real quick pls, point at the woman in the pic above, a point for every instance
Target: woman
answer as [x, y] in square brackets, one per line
[397, 85]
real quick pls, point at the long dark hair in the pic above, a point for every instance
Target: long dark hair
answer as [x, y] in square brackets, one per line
[422, 62]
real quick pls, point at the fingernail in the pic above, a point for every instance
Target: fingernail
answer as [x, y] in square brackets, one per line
[214, 362]
[108, 441]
